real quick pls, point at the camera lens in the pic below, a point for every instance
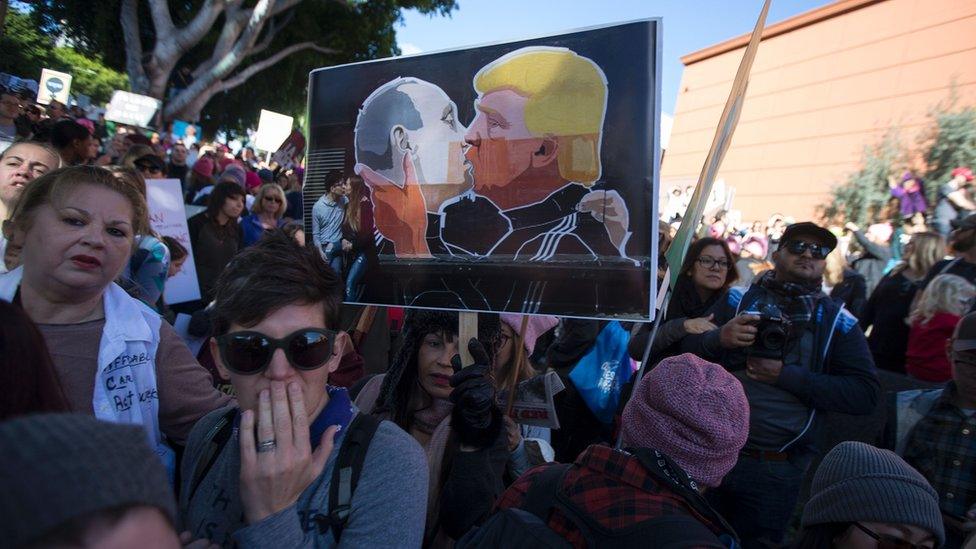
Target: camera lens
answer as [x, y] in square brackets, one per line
[773, 338]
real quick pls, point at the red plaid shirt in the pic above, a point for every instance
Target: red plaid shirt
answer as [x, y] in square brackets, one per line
[612, 488]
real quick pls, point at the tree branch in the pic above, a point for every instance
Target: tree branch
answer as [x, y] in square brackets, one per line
[285, 5]
[234, 20]
[274, 27]
[194, 31]
[129, 18]
[162, 20]
[250, 71]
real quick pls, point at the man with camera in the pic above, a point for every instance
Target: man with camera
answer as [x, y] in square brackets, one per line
[797, 354]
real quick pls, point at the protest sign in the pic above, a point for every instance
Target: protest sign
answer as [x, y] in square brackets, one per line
[54, 86]
[517, 177]
[534, 403]
[273, 129]
[167, 218]
[291, 151]
[131, 108]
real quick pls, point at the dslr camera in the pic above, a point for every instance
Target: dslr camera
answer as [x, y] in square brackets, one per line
[773, 333]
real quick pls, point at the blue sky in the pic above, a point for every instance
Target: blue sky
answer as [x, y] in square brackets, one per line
[689, 25]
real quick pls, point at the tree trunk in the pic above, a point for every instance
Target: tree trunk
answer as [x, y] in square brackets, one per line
[3, 15]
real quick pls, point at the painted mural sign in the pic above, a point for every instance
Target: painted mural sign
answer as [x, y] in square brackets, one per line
[513, 177]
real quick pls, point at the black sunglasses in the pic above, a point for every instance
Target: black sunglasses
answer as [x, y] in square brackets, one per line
[149, 168]
[797, 247]
[249, 353]
[888, 542]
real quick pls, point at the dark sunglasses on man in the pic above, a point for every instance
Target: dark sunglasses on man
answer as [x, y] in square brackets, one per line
[797, 247]
[249, 353]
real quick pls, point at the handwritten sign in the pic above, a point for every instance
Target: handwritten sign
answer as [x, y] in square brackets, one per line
[167, 217]
[131, 108]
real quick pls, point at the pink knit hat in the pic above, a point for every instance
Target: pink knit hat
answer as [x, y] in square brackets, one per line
[252, 180]
[694, 412]
[204, 166]
[536, 326]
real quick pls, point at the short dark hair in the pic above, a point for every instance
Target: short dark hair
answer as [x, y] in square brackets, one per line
[271, 274]
[333, 178]
[695, 250]
[67, 131]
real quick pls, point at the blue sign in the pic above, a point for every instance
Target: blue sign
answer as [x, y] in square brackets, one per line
[54, 85]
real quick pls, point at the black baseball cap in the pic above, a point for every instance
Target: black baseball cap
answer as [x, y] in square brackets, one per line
[808, 228]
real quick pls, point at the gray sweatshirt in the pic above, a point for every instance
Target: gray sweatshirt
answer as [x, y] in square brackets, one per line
[388, 508]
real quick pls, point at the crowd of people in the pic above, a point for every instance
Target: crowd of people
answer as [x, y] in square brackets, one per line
[806, 386]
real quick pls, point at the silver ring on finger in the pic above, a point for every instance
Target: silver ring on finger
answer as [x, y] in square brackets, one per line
[267, 446]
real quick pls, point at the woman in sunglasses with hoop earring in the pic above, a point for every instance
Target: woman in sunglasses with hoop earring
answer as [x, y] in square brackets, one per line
[266, 213]
[114, 357]
[294, 464]
[707, 273]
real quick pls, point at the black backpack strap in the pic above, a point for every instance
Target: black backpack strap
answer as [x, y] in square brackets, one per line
[541, 496]
[218, 435]
[346, 472]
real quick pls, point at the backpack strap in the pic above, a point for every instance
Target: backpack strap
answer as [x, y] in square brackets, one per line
[541, 496]
[346, 472]
[218, 435]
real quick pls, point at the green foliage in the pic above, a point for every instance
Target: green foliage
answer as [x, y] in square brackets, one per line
[949, 142]
[866, 191]
[89, 75]
[27, 51]
[357, 29]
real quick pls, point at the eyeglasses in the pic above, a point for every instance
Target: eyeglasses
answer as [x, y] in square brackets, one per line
[272, 199]
[889, 542]
[709, 262]
[149, 168]
[249, 353]
[797, 247]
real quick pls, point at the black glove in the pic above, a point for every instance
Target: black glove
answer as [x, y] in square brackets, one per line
[475, 417]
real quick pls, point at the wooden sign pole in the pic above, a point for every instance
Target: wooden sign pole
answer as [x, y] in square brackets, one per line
[467, 328]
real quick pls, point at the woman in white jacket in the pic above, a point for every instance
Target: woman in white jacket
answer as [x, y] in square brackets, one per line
[114, 357]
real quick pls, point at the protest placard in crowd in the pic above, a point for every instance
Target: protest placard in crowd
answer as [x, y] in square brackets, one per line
[273, 129]
[167, 218]
[515, 177]
[131, 108]
[54, 86]
[291, 151]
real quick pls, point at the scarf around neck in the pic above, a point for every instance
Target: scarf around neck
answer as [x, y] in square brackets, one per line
[800, 300]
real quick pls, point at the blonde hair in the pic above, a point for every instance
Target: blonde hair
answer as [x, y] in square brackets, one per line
[567, 99]
[946, 293]
[927, 249]
[834, 268]
[268, 188]
[55, 185]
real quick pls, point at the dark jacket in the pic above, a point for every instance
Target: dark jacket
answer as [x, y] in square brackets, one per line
[840, 377]
[886, 310]
[851, 292]
[576, 338]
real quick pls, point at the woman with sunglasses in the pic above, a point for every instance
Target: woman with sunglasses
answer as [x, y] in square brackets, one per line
[864, 497]
[114, 356]
[451, 412]
[706, 275]
[271, 462]
[266, 213]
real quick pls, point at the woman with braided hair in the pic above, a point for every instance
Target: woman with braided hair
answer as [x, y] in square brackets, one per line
[451, 412]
